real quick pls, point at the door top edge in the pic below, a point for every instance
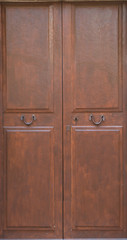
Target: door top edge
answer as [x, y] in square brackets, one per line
[35, 1]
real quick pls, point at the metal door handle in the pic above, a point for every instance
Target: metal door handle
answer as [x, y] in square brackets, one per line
[28, 123]
[91, 118]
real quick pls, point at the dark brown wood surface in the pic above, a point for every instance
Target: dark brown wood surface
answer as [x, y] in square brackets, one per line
[32, 157]
[63, 176]
[94, 82]
[35, 1]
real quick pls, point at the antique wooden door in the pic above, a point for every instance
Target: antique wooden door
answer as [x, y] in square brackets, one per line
[31, 189]
[95, 119]
[63, 120]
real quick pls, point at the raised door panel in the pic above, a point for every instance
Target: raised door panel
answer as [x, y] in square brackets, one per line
[97, 178]
[28, 57]
[29, 179]
[96, 57]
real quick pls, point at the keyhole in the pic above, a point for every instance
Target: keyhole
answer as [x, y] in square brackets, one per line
[75, 119]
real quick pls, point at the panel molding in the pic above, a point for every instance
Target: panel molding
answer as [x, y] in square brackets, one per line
[120, 60]
[75, 129]
[50, 108]
[7, 131]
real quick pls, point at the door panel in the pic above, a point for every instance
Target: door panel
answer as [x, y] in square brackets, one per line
[26, 173]
[97, 181]
[96, 38]
[32, 85]
[29, 40]
[94, 82]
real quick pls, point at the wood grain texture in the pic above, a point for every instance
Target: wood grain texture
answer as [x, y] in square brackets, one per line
[34, 1]
[89, 150]
[1, 135]
[28, 61]
[94, 163]
[93, 49]
[29, 178]
[97, 196]
[32, 84]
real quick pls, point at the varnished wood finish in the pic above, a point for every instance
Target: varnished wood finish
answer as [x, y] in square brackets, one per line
[34, 59]
[29, 177]
[1, 134]
[94, 81]
[32, 84]
[91, 188]
[94, 184]
[35, 1]
[96, 44]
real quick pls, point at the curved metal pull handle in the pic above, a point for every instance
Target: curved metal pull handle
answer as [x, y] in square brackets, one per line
[28, 123]
[91, 118]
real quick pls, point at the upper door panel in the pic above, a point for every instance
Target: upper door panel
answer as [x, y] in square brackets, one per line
[96, 57]
[28, 57]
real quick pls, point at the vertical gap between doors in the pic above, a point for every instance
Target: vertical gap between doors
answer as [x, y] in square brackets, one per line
[62, 126]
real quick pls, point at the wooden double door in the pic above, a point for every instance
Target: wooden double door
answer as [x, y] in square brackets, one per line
[63, 120]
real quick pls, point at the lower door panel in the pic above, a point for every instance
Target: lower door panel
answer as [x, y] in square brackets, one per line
[97, 178]
[29, 179]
